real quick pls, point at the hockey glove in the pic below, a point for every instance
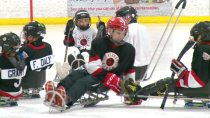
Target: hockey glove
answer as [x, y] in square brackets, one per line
[63, 70]
[178, 67]
[101, 29]
[18, 61]
[69, 25]
[113, 82]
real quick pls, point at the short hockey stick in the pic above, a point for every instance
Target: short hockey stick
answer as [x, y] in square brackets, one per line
[100, 29]
[70, 29]
[185, 49]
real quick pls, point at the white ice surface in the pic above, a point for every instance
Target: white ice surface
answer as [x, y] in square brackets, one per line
[113, 108]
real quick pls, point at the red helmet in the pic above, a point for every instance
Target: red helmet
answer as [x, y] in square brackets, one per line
[117, 23]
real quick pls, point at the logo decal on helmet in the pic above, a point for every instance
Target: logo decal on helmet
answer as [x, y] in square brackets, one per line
[5, 38]
[112, 19]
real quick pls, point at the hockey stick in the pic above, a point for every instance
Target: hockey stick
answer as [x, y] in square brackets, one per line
[100, 29]
[70, 29]
[189, 44]
[186, 47]
[144, 77]
[169, 97]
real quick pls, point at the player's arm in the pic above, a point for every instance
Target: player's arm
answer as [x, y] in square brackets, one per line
[195, 78]
[94, 67]
[69, 26]
[130, 71]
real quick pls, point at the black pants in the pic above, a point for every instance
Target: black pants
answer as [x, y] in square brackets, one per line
[77, 83]
[139, 72]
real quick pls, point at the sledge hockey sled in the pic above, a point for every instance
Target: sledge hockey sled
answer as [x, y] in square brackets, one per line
[90, 98]
[7, 101]
[32, 83]
[189, 95]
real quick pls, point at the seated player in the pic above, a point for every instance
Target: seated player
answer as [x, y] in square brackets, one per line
[109, 59]
[38, 55]
[82, 35]
[12, 69]
[195, 79]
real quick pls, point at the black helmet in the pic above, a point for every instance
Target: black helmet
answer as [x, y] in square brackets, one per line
[82, 14]
[9, 42]
[127, 10]
[203, 29]
[35, 29]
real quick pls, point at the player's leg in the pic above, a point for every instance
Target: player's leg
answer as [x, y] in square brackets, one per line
[159, 87]
[79, 88]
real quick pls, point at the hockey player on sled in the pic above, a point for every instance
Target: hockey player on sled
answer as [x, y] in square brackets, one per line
[12, 69]
[192, 83]
[39, 57]
[108, 60]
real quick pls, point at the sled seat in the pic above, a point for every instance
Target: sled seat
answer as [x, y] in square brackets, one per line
[34, 79]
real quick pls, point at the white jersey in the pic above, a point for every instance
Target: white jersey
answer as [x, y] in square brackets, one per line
[83, 38]
[139, 38]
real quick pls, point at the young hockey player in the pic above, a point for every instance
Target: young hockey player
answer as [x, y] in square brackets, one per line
[38, 55]
[139, 38]
[12, 68]
[82, 35]
[109, 59]
[80, 39]
[194, 81]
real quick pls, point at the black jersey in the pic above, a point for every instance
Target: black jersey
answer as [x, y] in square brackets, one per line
[38, 57]
[200, 73]
[10, 78]
[106, 57]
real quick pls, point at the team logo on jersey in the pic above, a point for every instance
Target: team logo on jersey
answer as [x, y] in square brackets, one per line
[83, 40]
[110, 61]
[205, 56]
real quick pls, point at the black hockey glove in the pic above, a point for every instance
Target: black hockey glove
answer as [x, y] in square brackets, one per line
[101, 29]
[18, 61]
[178, 67]
[70, 25]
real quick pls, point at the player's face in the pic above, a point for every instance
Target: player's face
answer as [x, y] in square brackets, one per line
[83, 21]
[118, 35]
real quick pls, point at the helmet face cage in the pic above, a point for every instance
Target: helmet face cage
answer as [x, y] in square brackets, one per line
[9, 42]
[127, 10]
[119, 24]
[82, 14]
[201, 28]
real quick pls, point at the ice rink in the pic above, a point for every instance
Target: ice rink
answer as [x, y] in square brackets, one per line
[113, 108]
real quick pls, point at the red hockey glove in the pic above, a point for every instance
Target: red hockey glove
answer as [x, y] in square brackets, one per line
[113, 82]
[178, 67]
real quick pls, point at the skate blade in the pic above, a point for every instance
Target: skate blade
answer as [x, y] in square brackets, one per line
[196, 105]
